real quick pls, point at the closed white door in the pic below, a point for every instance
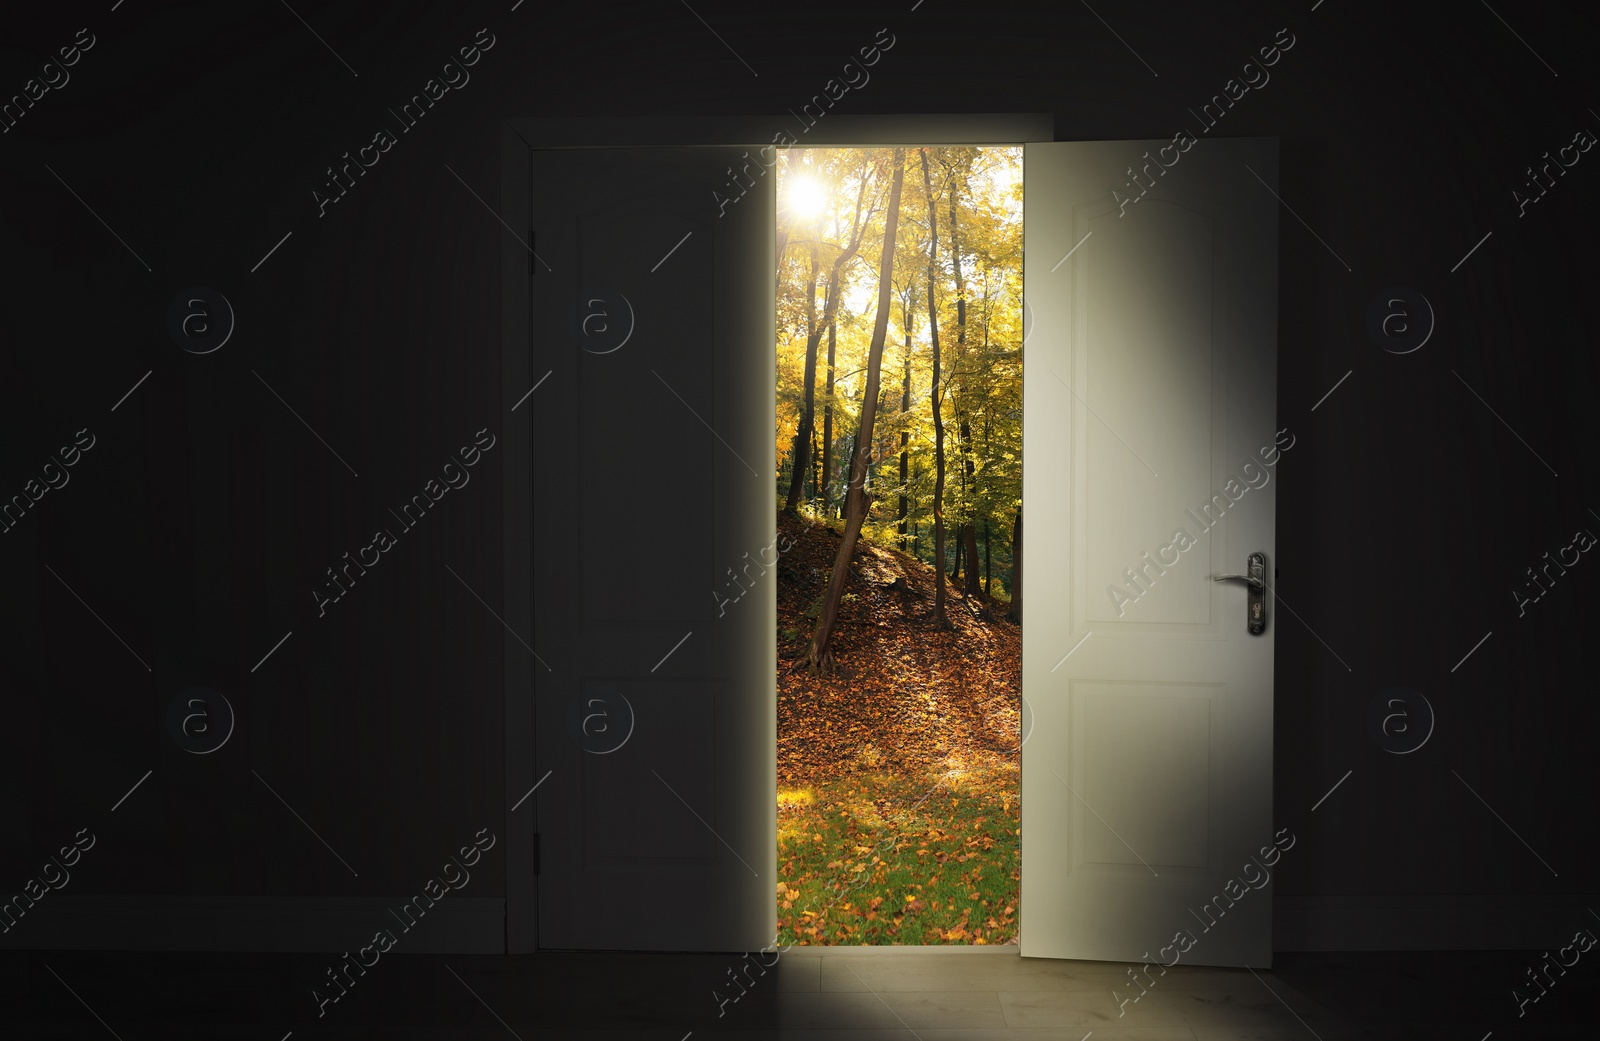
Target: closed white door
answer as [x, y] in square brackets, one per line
[1150, 449]
[655, 697]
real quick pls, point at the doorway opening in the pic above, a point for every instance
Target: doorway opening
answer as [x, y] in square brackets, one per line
[898, 496]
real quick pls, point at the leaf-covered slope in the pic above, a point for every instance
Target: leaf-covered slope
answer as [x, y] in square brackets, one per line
[910, 698]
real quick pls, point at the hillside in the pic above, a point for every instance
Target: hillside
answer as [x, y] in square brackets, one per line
[867, 853]
[909, 697]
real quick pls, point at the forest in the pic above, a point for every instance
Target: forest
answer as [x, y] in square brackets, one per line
[899, 480]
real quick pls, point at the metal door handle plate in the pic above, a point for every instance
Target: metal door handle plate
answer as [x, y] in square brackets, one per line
[1255, 599]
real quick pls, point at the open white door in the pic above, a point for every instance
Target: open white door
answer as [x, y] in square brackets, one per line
[653, 445]
[1150, 437]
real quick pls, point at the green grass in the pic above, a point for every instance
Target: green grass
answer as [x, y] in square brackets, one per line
[862, 861]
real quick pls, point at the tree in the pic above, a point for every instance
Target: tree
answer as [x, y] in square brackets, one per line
[819, 655]
[1015, 613]
[938, 616]
[969, 480]
[802, 430]
[827, 420]
[802, 433]
[905, 420]
[905, 432]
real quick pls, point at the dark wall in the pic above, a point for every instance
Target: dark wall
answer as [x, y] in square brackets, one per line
[205, 513]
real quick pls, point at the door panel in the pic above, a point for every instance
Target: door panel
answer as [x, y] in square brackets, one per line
[656, 716]
[621, 458]
[1150, 381]
[1156, 265]
[1130, 739]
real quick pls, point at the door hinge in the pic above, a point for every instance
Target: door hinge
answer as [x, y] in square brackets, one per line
[532, 257]
[536, 853]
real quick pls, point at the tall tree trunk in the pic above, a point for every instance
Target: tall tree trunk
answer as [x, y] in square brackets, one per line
[938, 617]
[905, 439]
[838, 508]
[970, 538]
[819, 655]
[818, 474]
[988, 451]
[988, 574]
[962, 461]
[827, 423]
[1015, 614]
[802, 434]
[969, 478]
[802, 430]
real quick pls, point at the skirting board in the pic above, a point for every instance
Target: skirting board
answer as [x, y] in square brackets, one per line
[476, 925]
[1428, 923]
[455, 925]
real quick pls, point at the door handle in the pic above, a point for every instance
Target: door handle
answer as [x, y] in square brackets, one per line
[1255, 599]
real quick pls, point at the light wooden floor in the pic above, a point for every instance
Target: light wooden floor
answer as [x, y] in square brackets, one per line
[817, 994]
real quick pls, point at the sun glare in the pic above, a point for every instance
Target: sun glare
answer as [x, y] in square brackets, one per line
[806, 198]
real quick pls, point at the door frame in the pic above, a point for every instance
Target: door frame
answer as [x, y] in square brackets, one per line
[519, 138]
